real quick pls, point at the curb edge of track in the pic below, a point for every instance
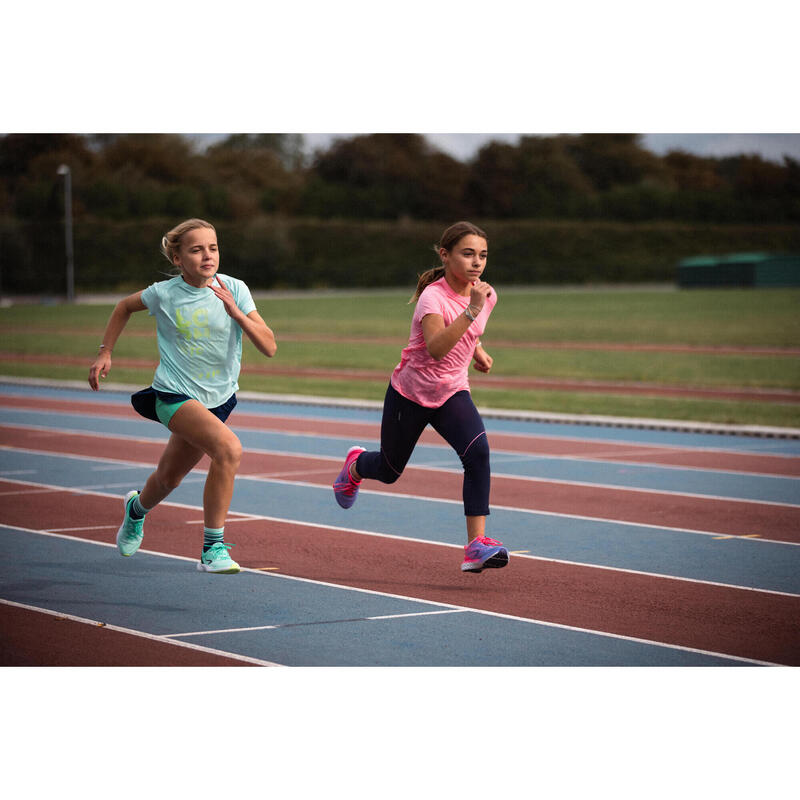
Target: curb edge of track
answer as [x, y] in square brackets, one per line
[490, 413]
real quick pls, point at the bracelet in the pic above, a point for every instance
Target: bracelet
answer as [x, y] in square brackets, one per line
[106, 347]
[469, 315]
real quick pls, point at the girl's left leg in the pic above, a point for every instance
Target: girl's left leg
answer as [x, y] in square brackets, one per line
[460, 424]
[205, 432]
[402, 424]
[202, 430]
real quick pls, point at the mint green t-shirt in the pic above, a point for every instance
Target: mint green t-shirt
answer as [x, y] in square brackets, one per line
[199, 345]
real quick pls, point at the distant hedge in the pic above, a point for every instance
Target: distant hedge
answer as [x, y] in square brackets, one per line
[280, 253]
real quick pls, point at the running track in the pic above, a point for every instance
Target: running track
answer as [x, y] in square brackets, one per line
[629, 546]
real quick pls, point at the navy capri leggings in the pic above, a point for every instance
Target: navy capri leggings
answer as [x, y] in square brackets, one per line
[457, 421]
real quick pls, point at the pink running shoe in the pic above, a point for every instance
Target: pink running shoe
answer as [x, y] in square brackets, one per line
[345, 488]
[483, 553]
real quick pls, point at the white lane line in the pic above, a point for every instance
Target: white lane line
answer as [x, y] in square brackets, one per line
[346, 406]
[638, 447]
[560, 482]
[528, 620]
[141, 634]
[518, 510]
[379, 534]
[691, 428]
[315, 622]
[498, 455]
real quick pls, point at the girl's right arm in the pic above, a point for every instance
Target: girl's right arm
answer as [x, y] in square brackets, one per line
[440, 339]
[116, 323]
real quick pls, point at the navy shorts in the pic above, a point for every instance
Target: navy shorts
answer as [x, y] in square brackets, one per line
[144, 403]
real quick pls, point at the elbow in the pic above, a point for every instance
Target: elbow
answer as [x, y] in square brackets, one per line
[435, 353]
[271, 349]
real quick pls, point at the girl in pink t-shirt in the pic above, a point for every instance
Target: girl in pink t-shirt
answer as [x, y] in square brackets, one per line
[430, 386]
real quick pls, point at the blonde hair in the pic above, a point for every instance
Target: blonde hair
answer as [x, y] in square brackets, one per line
[448, 240]
[171, 242]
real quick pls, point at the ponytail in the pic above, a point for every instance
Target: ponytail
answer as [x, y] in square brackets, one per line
[426, 278]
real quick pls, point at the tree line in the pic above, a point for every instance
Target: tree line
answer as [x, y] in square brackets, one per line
[592, 177]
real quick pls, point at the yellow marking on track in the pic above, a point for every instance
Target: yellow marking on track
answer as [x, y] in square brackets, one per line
[517, 552]
[265, 569]
[743, 536]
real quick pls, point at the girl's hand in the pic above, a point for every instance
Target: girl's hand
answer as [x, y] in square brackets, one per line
[483, 361]
[225, 295]
[478, 293]
[100, 368]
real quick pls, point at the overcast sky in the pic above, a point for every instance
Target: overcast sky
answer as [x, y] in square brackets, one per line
[771, 146]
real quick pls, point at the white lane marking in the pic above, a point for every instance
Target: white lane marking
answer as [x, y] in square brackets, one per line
[560, 482]
[484, 612]
[498, 455]
[379, 534]
[141, 634]
[314, 622]
[197, 476]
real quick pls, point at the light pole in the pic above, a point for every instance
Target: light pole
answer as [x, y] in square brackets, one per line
[65, 171]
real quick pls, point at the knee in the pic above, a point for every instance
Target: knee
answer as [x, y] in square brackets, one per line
[388, 476]
[477, 455]
[228, 452]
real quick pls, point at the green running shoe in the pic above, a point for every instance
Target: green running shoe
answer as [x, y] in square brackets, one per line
[217, 559]
[130, 533]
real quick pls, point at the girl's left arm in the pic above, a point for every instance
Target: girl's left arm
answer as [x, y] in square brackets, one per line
[252, 324]
[483, 361]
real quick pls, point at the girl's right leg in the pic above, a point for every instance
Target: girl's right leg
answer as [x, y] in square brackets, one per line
[195, 432]
[203, 432]
[401, 426]
[177, 461]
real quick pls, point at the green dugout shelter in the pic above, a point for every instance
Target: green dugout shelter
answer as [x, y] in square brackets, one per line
[740, 269]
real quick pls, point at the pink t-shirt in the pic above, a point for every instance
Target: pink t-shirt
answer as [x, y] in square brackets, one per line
[418, 376]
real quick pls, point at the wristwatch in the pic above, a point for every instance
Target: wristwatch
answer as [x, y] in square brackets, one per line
[469, 315]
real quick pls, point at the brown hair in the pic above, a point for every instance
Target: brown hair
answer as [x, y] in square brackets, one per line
[171, 242]
[448, 240]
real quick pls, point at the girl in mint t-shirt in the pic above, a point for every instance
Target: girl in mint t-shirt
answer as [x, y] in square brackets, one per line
[430, 385]
[200, 316]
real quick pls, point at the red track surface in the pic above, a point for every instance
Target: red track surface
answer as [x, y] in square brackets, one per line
[33, 639]
[779, 523]
[741, 622]
[538, 445]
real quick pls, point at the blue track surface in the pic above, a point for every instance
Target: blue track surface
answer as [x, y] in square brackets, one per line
[303, 622]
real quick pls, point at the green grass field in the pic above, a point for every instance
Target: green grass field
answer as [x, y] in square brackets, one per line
[375, 326]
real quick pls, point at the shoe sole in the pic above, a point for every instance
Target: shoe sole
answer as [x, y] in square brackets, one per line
[128, 496]
[497, 561]
[229, 571]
